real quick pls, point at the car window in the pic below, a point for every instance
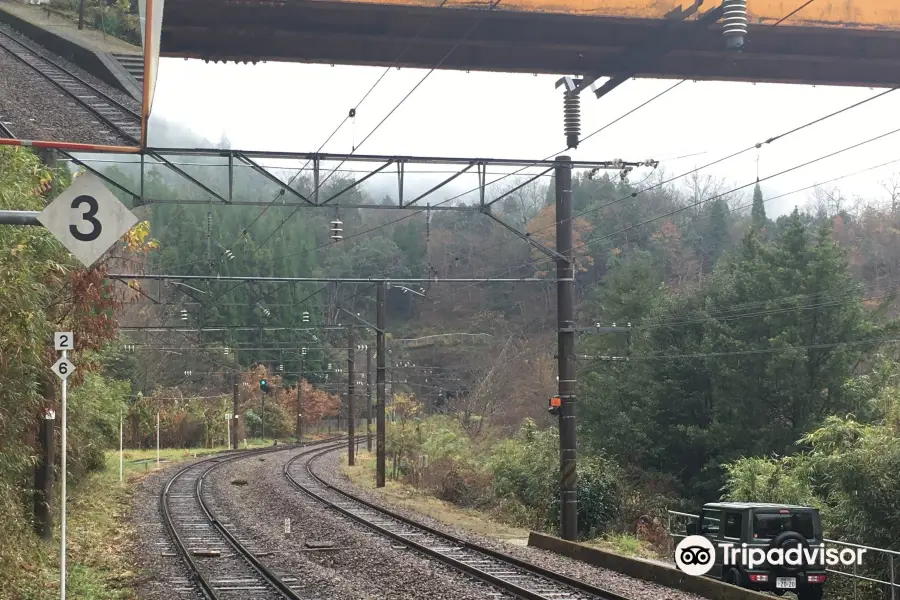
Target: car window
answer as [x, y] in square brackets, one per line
[733, 524]
[710, 522]
[769, 525]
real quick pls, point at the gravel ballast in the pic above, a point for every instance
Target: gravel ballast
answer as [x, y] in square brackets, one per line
[328, 467]
[364, 565]
[161, 575]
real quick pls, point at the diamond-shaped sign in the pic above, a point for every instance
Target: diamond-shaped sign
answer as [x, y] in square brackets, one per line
[63, 368]
[87, 218]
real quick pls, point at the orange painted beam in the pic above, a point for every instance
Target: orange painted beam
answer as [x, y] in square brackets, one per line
[850, 14]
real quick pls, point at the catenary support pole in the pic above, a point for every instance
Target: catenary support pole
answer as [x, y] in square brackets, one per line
[234, 413]
[369, 400]
[62, 508]
[565, 310]
[157, 436]
[379, 383]
[300, 402]
[43, 479]
[121, 446]
[351, 387]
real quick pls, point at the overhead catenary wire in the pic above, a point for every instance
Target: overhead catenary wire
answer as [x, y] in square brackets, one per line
[350, 114]
[491, 276]
[779, 350]
[475, 25]
[632, 195]
[731, 191]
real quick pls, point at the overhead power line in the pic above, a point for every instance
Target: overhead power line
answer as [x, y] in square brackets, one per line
[702, 201]
[475, 25]
[781, 350]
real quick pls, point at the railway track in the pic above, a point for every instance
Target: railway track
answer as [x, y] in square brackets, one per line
[505, 572]
[122, 120]
[5, 131]
[222, 567]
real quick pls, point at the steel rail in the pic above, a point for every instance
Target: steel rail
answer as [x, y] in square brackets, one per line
[6, 131]
[100, 105]
[205, 585]
[449, 544]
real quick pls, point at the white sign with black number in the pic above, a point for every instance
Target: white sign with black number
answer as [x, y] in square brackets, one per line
[63, 368]
[87, 218]
[64, 340]
[287, 525]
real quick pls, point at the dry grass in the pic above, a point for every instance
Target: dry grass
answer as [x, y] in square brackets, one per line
[409, 497]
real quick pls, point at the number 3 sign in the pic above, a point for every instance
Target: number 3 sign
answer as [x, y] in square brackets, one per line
[87, 218]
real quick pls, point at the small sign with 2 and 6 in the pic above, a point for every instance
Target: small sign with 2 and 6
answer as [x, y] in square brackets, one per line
[87, 218]
[63, 368]
[63, 340]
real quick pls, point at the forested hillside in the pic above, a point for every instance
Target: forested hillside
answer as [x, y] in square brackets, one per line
[750, 339]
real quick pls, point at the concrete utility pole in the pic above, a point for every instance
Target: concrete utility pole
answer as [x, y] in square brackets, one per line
[235, 391]
[379, 382]
[300, 402]
[369, 400]
[565, 311]
[351, 384]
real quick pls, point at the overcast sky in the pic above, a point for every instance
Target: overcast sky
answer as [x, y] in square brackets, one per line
[295, 107]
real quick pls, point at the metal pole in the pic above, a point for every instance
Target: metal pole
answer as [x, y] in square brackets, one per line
[565, 310]
[228, 431]
[263, 415]
[20, 217]
[62, 511]
[351, 385]
[81, 16]
[43, 480]
[379, 382]
[369, 400]
[121, 447]
[234, 414]
[157, 436]
[300, 402]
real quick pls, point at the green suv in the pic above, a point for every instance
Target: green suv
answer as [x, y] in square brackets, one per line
[745, 529]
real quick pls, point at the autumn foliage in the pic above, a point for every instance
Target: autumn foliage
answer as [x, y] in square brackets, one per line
[317, 405]
[542, 229]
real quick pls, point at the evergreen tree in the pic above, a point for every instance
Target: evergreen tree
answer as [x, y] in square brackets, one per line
[758, 212]
[717, 238]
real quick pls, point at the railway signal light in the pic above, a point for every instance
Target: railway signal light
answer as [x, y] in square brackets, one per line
[264, 386]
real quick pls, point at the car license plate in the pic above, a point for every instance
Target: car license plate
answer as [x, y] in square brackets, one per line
[786, 583]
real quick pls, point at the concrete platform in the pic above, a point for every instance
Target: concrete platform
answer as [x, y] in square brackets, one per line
[110, 59]
[67, 28]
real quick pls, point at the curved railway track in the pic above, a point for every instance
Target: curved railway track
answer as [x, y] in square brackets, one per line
[123, 121]
[230, 570]
[505, 572]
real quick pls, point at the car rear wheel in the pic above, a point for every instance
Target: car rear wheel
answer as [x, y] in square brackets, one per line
[733, 576]
[815, 593]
